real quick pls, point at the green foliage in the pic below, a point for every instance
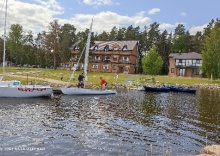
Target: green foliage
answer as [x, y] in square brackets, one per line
[211, 52]
[152, 62]
[67, 39]
[15, 43]
[181, 40]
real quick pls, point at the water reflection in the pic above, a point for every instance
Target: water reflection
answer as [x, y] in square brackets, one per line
[131, 123]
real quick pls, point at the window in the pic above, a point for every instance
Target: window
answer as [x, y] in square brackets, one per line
[172, 70]
[95, 66]
[125, 48]
[188, 62]
[198, 62]
[125, 58]
[114, 67]
[182, 72]
[97, 57]
[107, 58]
[96, 48]
[75, 48]
[105, 67]
[196, 71]
[126, 68]
[106, 48]
[115, 48]
[115, 58]
[180, 62]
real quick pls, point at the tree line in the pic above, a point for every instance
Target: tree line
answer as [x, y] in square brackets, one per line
[52, 47]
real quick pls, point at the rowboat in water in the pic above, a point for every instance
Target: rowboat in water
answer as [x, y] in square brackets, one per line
[156, 89]
[182, 89]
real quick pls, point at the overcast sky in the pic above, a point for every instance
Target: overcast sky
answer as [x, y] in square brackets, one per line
[35, 15]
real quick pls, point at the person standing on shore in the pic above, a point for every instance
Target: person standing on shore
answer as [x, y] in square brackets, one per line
[80, 81]
[103, 83]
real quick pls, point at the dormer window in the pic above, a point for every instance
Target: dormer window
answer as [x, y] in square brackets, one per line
[116, 47]
[96, 48]
[125, 48]
[75, 48]
[106, 48]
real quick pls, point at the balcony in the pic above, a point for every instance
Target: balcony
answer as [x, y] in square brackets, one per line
[124, 61]
[106, 60]
[97, 52]
[95, 60]
[188, 64]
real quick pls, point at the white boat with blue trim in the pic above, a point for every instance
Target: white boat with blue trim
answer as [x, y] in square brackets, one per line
[14, 88]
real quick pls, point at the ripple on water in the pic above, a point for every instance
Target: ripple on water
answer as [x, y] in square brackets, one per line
[132, 123]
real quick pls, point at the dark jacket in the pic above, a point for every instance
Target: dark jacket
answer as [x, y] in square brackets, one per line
[80, 78]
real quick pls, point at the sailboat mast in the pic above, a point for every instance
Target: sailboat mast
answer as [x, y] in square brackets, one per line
[3, 63]
[87, 52]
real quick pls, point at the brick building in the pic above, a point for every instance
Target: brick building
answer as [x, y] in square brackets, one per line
[185, 64]
[110, 57]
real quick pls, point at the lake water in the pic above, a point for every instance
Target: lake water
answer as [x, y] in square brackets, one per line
[131, 123]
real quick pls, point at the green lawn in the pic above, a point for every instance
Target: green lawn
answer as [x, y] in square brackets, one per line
[93, 77]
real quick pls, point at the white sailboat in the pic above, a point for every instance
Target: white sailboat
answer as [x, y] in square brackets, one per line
[84, 91]
[14, 88]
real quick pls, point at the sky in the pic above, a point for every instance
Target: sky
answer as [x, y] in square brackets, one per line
[35, 15]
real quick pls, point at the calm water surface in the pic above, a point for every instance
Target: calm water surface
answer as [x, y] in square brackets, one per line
[132, 123]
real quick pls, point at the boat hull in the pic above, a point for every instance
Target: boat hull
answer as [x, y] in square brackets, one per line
[180, 89]
[156, 89]
[25, 91]
[83, 91]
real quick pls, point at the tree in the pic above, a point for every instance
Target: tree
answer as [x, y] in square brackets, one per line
[15, 43]
[121, 34]
[211, 52]
[152, 62]
[103, 36]
[180, 40]
[113, 34]
[132, 33]
[164, 49]
[197, 42]
[29, 54]
[67, 38]
[51, 41]
[153, 35]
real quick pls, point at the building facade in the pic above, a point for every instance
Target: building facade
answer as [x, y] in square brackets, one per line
[185, 64]
[110, 57]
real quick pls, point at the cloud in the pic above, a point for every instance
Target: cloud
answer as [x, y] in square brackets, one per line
[195, 29]
[98, 2]
[51, 4]
[153, 11]
[100, 24]
[37, 17]
[166, 26]
[31, 17]
[183, 14]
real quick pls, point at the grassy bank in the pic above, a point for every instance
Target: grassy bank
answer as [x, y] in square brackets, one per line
[32, 74]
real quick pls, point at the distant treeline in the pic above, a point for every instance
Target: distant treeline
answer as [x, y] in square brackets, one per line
[53, 47]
